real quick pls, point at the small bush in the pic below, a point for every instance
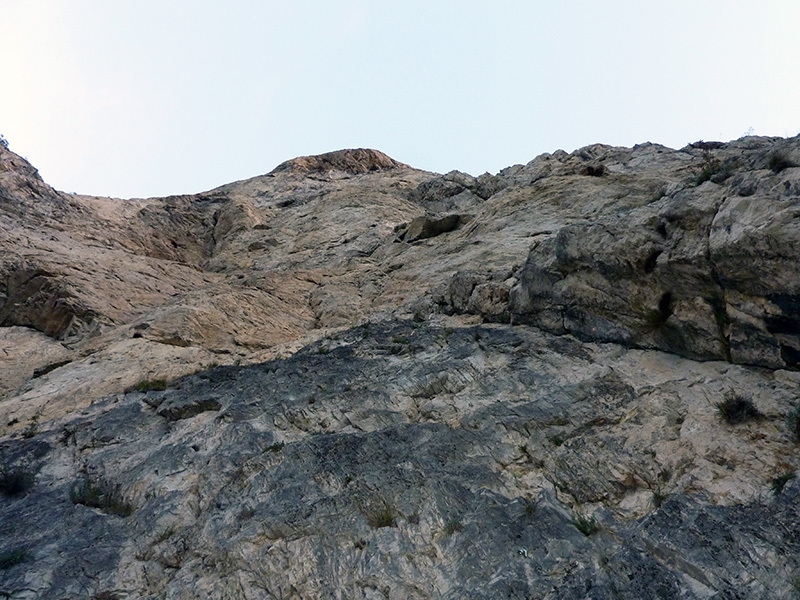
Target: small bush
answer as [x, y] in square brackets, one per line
[32, 428]
[714, 169]
[15, 482]
[381, 516]
[166, 534]
[708, 169]
[658, 499]
[586, 525]
[737, 408]
[101, 495]
[530, 507]
[780, 481]
[151, 385]
[13, 557]
[3, 141]
[778, 161]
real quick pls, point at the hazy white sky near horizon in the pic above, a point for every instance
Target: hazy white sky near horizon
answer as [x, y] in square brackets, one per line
[149, 98]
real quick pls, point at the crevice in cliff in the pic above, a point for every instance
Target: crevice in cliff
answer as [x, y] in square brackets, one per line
[718, 303]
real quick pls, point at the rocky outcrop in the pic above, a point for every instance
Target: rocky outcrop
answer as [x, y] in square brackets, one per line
[351, 378]
[700, 270]
[425, 227]
[347, 162]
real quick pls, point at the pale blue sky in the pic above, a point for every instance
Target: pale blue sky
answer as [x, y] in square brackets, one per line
[149, 98]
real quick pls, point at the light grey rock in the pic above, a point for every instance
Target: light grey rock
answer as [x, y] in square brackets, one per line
[413, 461]
[524, 405]
[695, 271]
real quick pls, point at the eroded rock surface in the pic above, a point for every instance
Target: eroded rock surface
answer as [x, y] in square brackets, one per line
[351, 378]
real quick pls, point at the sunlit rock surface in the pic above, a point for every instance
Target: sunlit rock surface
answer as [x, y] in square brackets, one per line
[349, 378]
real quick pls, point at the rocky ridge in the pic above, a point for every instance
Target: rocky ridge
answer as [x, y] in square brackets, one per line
[352, 378]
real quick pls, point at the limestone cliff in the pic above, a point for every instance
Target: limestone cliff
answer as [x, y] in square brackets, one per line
[349, 378]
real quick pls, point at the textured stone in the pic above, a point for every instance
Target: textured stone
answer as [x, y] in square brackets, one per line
[426, 227]
[420, 460]
[524, 405]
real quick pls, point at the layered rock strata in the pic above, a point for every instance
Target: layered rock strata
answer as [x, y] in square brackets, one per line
[351, 378]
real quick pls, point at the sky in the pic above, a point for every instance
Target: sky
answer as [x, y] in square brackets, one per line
[140, 98]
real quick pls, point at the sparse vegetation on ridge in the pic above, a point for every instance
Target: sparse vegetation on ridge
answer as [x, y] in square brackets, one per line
[382, 515]
[151, 385]
[586, 525]
[658, 498]
[779, 161]
[713, 169]
[32, 428]
[102, 495]
[737, 408]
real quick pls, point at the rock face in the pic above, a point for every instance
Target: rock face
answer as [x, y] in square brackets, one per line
[349, 378]
[701, 270]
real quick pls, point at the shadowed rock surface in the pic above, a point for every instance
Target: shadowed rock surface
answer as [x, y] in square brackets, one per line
[349, 378]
